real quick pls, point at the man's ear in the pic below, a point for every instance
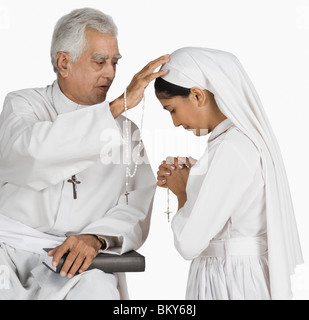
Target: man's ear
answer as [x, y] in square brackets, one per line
[199, 95]
[63, 61]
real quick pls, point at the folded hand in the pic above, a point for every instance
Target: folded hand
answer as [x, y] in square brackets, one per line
[173, 174]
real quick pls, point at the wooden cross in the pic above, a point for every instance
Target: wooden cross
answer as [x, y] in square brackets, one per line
[74, 183]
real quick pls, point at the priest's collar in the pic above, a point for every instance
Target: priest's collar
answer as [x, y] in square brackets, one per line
[63, 104]
[220, 128]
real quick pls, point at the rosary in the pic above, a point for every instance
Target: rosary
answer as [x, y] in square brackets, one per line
[168, 212]
[127, 140]
[129, 175]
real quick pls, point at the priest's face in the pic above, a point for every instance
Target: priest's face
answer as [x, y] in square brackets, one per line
[88, 80]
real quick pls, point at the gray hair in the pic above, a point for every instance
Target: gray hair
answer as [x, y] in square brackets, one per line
[69, 32]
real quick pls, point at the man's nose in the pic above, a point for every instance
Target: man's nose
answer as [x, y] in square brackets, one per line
[109, 71]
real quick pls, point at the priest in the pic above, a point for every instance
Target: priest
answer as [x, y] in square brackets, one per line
[63, 169]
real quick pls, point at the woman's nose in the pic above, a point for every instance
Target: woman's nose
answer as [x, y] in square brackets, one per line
[176, 122]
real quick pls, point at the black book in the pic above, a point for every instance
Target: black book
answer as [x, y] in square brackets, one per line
[128, 262]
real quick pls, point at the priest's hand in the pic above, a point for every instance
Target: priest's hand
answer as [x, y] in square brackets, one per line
[82, 250]
[135, 90]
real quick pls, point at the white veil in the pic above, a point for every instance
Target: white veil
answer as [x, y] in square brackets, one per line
[222, 74]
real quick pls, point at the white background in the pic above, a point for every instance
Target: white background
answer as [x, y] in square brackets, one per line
[271, 39]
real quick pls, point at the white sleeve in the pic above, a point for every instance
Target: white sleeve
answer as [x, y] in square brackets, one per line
[126, 226]
[222, 189]
[37, 154]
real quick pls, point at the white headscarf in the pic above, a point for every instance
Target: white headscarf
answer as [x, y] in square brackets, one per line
[222, 74]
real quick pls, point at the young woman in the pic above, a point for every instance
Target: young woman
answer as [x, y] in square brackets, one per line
[235, 218]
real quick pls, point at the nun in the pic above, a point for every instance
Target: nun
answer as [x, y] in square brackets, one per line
[235, 219]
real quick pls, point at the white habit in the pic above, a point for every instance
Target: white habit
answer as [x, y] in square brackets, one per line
[45, 140]
[225, 235]
[231, 200]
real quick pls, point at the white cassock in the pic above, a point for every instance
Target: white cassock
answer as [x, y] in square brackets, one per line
[222, 226]
[45, 140]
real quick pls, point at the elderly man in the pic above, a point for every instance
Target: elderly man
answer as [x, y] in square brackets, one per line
[61, 183]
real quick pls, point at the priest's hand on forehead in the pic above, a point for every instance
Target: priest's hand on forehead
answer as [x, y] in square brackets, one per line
[136, 89]
[140, 81]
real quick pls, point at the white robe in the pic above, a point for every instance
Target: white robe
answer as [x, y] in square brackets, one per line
[222, 226]
[45, 139]
[222, 74]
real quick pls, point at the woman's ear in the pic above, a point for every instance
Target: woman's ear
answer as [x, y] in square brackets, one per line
[199, 95]
[63, 61]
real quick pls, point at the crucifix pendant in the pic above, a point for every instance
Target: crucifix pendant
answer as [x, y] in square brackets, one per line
[168, 212]
[127, 196]
[74, 182]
